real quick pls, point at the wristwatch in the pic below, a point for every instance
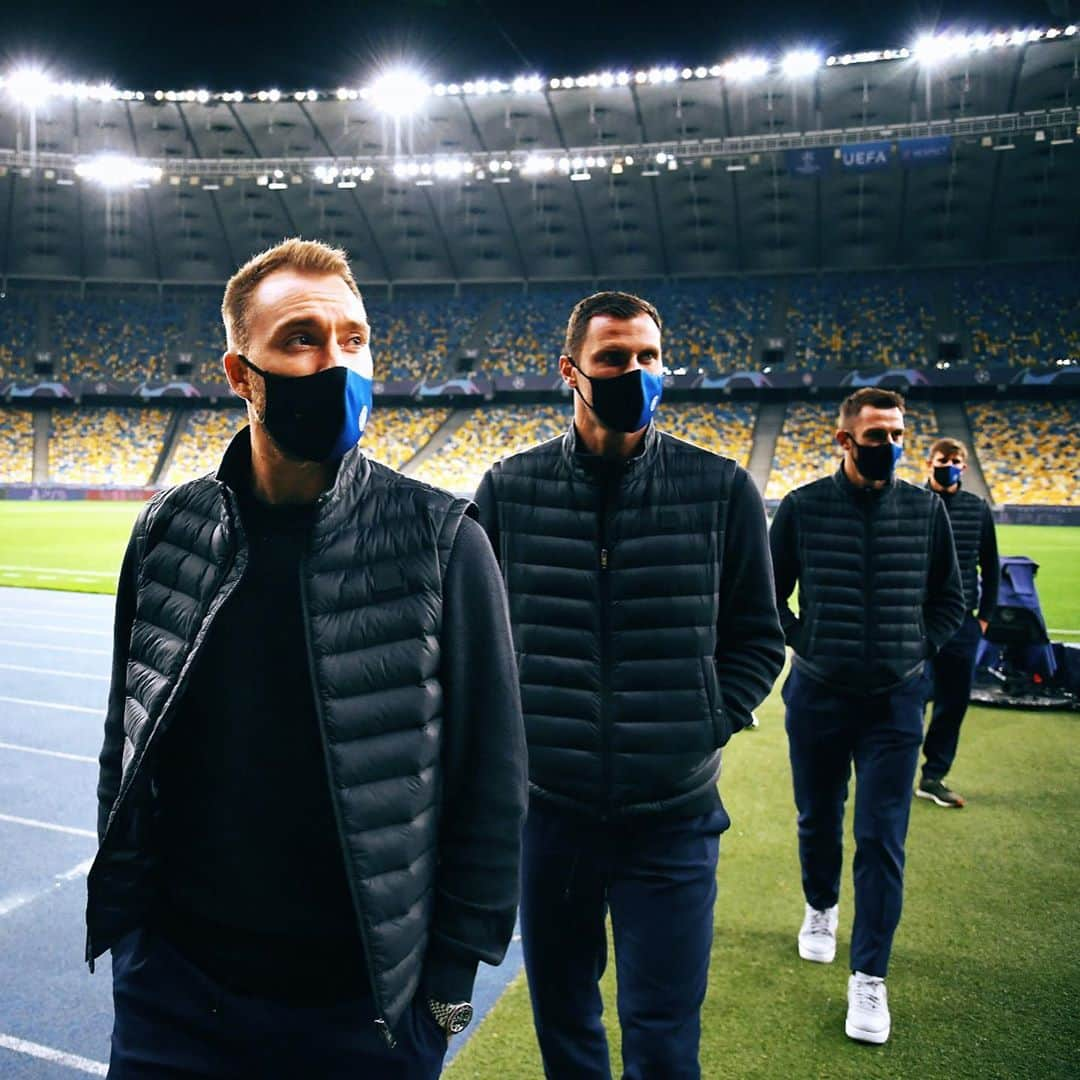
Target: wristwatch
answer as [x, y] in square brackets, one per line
[453, 1019]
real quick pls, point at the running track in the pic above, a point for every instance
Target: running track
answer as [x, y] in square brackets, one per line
[55, 1017]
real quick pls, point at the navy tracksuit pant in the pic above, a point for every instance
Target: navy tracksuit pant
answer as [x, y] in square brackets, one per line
[948, 678]
[828, 730]
[173, 1020]
[658, 879]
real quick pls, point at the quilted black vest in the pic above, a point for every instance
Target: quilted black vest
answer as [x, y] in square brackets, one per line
[614, 592]
[864, 561]
[967, 513]
[372, 596]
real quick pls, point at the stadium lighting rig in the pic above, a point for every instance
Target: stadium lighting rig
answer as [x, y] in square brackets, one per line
[401, 92]
[117, 171]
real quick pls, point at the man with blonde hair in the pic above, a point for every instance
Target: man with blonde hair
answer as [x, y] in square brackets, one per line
[312, 778]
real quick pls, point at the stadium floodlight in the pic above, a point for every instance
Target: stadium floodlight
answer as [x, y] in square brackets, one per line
[30, 87]
[800, 63]
[400, 92]
[746, 68]
[117, 171]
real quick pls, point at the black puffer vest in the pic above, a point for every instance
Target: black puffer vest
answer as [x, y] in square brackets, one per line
[372, 596]
[614, 591]
[967, 513]
[864, 557]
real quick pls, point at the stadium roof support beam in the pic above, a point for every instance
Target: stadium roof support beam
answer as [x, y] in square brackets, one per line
[5, 255]
[447, 249]
[519, 253]
[242, 128]
[995, 184]
[155, 249]
[665, 260]
[213, 195]
[357, 205]
[590, 250]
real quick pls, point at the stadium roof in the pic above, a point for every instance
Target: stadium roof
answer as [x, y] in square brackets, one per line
[754, 165]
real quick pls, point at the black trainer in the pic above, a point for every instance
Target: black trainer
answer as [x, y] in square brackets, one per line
[936, 790]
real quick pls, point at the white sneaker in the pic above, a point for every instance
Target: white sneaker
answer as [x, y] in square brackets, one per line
[868, 1009]
[817, 935]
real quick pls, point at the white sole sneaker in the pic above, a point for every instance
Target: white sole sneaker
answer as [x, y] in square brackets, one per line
[816, 953]
[920, 794]
[860, 1035]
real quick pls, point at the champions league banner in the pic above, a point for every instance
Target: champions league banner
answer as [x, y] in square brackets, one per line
[808, 163]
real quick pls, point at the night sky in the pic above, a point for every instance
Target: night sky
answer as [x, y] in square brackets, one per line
[249, 46]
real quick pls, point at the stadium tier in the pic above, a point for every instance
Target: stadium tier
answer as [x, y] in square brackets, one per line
[806, 449]
[1019, 315]
[726, 429]
[858, 320]
[201, 443]
[16, 446]
[106, 446]
[486, 435]
[1029, 451]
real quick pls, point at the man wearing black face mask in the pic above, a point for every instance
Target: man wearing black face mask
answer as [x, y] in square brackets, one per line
[950, 672]
[879, 593]
[646, 632]
[313, 779]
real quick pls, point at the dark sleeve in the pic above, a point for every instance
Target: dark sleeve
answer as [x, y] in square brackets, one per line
[484, 767]
[943, 610]
[783, 543]
[112, 750]
[749, 641]
[488, 510]
[989, 567]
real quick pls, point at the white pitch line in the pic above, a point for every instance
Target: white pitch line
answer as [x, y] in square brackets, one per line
[55, 648]
[58, 629]
[48, 753]
[11, 903]
[54, 705]
[57, 1057]
[33, 823]
[54, 671]
[1060, 630]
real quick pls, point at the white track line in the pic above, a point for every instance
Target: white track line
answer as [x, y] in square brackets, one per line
[11, 903]
[54, 671]
[58, 629]
[48, 753]
[54, 705]
[66, 571]
[33, 823]
[56, 648]
[57, 1057]
[54, 612]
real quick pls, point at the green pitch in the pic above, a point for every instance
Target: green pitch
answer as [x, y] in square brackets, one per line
[79, 546]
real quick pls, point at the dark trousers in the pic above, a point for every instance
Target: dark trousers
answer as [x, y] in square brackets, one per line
[659, 882]
[948, 682]
[827, 731]
[173, 1021]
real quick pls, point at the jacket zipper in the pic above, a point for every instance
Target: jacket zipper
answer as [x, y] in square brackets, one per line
[159, 727]
[606, 490]
[380, 1021]
[868, 579]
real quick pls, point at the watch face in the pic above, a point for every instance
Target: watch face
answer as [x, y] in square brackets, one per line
[459, 1019]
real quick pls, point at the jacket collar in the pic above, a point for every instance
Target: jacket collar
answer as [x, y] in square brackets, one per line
[861, 495]
[589, 466]
[349, 482]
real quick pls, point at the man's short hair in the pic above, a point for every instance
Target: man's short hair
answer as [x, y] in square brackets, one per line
[949, 447]
[306, 256]
[869, 397]
[619, 305]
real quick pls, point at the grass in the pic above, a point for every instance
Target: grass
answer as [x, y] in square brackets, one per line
[984, 979]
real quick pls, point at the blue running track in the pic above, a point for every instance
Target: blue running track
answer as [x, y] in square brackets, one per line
[55, 1018]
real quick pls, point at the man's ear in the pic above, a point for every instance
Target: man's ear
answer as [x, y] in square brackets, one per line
[568, 371]
[841, 437]
[238, 374]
